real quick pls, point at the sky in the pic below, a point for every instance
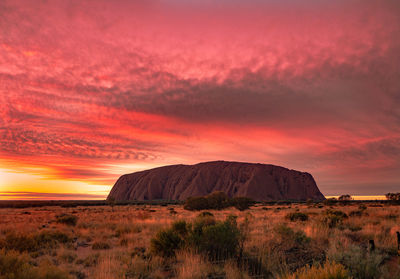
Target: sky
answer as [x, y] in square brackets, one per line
[90, 90]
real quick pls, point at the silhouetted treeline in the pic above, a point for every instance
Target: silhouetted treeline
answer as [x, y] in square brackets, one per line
[41, 203]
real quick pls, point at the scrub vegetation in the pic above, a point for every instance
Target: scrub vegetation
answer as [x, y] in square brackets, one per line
[285, 240]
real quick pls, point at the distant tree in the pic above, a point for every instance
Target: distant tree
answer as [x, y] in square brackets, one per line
[196, 203]
[218, 200]
[393, 196]
[345, 198]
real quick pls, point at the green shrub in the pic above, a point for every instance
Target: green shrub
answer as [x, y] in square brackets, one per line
[181, 228]
[215, 239]
[360, 263]
[165, 243]
[218, 200]
[287, 236]
[330, 270]
[67, 219]
[297, 216]
[196, 228]
[333, 218]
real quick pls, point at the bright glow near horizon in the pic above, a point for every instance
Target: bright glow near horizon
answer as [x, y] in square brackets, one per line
[17, 185]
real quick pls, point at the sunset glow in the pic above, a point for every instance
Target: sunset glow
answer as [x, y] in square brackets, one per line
[94, 89]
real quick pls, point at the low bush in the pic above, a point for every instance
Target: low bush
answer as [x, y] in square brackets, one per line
[166, 242]
[215, 239]
[333, 218]
[67, 219]
[181, 227]
[360, 263]
[34, 242]
[289, 237]
[291, 249]
[217, 200]
[16, 266]
[218, 241]
[297, 216]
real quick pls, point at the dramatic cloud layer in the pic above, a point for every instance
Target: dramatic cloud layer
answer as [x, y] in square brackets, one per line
[94, 89]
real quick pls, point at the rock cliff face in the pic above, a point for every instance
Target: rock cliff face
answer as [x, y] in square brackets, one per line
[178, 182]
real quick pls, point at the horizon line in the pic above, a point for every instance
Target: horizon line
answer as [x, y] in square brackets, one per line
[24, 195]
